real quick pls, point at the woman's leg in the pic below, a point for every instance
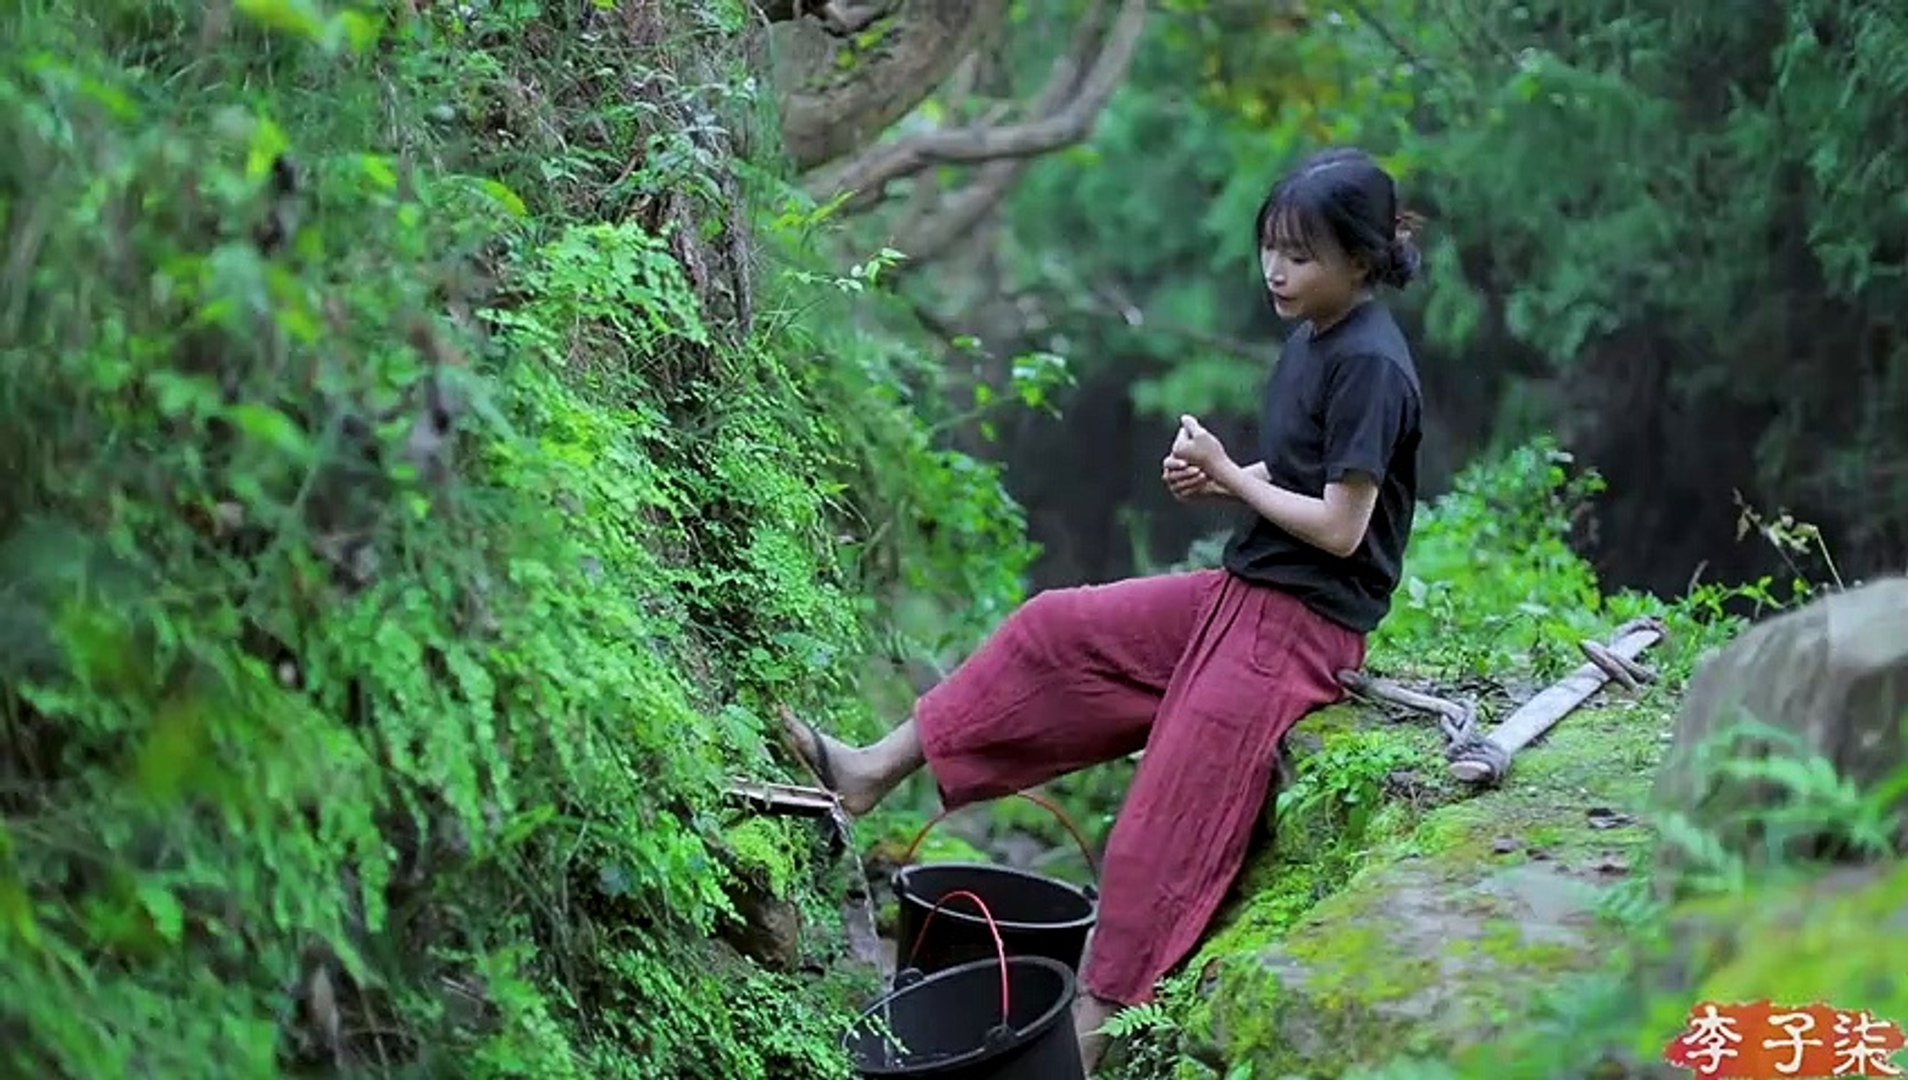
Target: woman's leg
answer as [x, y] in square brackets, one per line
[1259, 662]
[1072, 678]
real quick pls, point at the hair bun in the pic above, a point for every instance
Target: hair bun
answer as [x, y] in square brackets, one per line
[1404, 259]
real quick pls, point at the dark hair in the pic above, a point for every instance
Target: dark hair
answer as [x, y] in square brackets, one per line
[1346, 194]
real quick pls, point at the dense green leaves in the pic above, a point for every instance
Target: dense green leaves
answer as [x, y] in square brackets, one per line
[412, 525]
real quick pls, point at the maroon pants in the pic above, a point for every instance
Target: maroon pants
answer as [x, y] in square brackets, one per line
[1204, 671]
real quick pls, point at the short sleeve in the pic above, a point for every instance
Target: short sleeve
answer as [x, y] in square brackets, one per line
[1369, 406]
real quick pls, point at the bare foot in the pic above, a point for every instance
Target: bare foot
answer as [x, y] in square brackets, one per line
[836, 765]
[1089, 1013]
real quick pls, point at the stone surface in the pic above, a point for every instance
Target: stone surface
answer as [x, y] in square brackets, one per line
[769, 931]
[1414, 959]
[1461, 916]
[1833, 674]
[1834, 938]
[1839, 938]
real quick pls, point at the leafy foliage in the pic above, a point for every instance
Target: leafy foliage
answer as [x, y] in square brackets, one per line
[1786, 806]
[1491, 582]
[416, 509]
[1322, 816]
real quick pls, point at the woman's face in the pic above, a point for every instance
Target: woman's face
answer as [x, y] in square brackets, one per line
[1313, 280]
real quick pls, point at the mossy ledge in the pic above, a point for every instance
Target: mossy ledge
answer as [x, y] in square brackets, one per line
[1511, 933]
[1463, 905]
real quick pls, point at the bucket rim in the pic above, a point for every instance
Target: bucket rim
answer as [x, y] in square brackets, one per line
[1088, 896]
[1039, 1026]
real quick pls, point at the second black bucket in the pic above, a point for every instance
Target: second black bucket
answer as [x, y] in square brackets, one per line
[1036, 915]
[999, 1018]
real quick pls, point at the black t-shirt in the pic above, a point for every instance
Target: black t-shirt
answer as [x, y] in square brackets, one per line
[1341, 401]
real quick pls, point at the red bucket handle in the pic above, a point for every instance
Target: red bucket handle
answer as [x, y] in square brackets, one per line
[1086, 852]
[1000, 947]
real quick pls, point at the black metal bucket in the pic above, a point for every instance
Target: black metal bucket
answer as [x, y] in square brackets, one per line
[999, 1018]
[1035, 915]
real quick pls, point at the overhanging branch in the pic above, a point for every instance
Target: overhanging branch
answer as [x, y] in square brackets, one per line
[836, 92]
[959, 212]
[1066, 111]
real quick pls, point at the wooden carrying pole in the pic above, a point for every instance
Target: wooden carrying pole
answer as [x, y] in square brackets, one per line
[1558, 700]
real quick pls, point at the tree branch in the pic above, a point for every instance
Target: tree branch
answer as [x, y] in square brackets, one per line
[1061, 84]
[1064, 80]
[836, 93]
[1099, 300]
[841, 17]
[1067, 109]
[959, 213]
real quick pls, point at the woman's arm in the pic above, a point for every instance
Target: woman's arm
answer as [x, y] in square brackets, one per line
[1216, 490]
[1335, 523]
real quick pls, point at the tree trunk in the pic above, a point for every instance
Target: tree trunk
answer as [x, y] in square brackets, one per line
[838, 91]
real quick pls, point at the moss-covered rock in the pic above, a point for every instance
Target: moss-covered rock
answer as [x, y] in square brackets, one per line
[1837, 938]
[1833, 938]
[1828, 680]
[1463, 910]
[1472, 941]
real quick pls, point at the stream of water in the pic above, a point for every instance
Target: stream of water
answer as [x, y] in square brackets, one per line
[866, 938]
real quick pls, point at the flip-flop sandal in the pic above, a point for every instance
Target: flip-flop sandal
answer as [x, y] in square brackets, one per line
[809, 749]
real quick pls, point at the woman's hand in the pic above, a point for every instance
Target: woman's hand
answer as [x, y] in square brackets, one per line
[1200, 448]
[1190, 471]
[1187, 482]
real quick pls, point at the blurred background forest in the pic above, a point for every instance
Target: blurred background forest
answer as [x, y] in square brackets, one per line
[1672, 237]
